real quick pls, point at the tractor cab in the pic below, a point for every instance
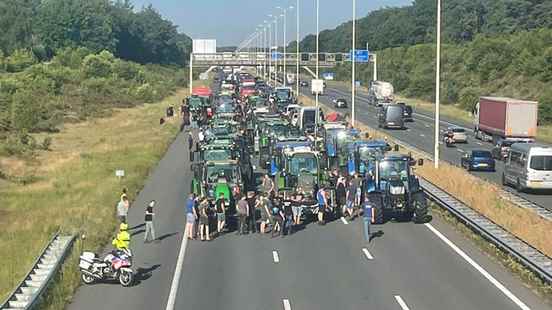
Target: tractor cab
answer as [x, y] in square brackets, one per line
[300, 173]
[218, 176]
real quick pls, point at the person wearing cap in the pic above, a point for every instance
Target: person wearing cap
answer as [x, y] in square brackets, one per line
[148, 219]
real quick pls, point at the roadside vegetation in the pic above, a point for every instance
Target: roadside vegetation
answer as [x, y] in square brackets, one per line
[490, 47]
[481, 196]
[81, 90]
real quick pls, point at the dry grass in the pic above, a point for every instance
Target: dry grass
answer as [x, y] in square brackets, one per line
[483, 197]
[77, 189]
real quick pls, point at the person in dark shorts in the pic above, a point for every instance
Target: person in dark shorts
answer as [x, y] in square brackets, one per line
[204, 220]
[263, 205]
[288, 218]
[252, 219]
[278, 216]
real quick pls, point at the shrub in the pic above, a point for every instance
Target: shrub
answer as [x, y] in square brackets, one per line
[19, 60]
[98, 66]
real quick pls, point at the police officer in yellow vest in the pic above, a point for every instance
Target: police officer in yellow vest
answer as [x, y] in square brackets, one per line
[122, 240]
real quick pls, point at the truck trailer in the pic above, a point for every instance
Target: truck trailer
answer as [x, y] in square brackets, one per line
[499, 118]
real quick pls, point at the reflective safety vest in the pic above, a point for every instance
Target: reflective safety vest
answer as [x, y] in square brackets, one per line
[122, 240]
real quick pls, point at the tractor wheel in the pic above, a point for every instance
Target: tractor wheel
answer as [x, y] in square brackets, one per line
[420, 208]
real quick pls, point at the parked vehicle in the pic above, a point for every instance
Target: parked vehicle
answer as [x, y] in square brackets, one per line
[340, 103]
[501, 118]
[379, 92]
[391, 116]
[116, 265]
[458, 134]
[304, 84]
[478, 160]
[528, 166]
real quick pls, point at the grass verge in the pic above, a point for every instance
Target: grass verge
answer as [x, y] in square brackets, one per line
[483, 197]
[76, 189]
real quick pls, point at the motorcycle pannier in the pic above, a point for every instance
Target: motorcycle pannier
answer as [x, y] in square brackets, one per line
[86, 259]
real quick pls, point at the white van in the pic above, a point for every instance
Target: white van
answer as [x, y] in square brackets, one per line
[528, 166]
[308, 118]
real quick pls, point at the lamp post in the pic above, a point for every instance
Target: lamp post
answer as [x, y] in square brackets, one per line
[285, 40]
[276, 48]
[353, 88]
[297, 52]
[437, 85]
[317, 64]
[269, 25]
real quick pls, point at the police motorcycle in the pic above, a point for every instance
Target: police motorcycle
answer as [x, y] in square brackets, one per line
[116, 265]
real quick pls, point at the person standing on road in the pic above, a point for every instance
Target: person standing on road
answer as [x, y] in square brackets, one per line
[263, 204]
[278, 218]
[288, 218]
[204, 220]
[368, 217]
[220, 210]
[148, 219]
[341, 195]
[251, 205]
[243, 212]
[191, 216]
[297, 207]
[322, 204]
[349, 201]
[122, 209]
[268, 185]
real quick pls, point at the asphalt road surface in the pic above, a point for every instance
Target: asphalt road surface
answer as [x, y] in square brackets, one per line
[406, 266]
[420, 134]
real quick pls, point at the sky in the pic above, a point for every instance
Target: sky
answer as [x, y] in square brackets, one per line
[232, 21]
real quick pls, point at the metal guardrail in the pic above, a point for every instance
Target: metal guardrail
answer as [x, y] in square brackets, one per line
[27, 294]
[531, 258]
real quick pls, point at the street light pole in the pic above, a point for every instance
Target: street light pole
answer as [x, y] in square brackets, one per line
[264, 49]
[297, 52]
[437, 84]
[276, 45]
[317, 65]
[353, 67]
[285, 28]
[269, 25]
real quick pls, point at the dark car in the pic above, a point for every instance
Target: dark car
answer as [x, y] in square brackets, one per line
[478, 160]
[407, 115]
[340, 103]
[304, 84]
[391, 116]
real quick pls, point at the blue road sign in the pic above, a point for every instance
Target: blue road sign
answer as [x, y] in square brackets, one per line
[360, 55]
[277, 56]
[328, 75]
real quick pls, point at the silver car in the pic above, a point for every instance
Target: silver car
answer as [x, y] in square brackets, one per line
[459, 134]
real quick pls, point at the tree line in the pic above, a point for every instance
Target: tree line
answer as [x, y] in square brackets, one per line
[44, 27]
[70, 60]
[491, 47]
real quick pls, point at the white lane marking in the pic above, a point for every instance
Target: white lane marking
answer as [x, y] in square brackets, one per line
[427, 125]
[461, 150]
[344, 220]
[287, 304]
[177, 272]
[401, 302]
[367, 254]
[475, 265]
[422, 135]
[275, 256]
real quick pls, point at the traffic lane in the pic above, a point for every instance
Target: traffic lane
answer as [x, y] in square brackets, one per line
[230, 272]
[168, 184]
[421, 136]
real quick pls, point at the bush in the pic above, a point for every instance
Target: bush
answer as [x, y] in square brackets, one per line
[98, 66]
[19, 60]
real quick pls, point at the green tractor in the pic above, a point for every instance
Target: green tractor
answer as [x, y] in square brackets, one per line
[211, 178]
[397, 190]
[299, 172]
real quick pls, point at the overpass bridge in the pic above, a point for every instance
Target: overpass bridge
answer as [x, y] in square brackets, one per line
[326, 60]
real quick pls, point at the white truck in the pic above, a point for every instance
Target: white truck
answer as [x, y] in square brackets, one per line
[381, 92]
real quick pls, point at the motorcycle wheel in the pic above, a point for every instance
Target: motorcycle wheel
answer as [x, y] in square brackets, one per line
[87, 279]
[126, 278]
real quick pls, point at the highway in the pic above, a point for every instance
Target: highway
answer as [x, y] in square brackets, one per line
[420, 134]
[406, 266]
